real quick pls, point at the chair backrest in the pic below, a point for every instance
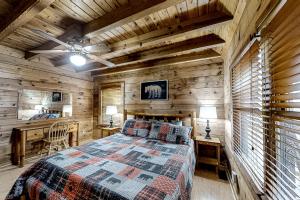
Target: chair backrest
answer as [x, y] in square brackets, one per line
[58, 131]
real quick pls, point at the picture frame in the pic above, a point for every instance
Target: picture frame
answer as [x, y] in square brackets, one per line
[56, 96]
[155, 90]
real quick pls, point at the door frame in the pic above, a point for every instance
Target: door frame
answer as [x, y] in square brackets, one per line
[120, 84]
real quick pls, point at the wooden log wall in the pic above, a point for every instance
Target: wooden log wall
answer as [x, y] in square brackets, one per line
[190, 86]
[17, 74]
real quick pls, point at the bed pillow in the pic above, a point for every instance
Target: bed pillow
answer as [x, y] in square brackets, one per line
[134, 127]
[177, 122]
[171, 133]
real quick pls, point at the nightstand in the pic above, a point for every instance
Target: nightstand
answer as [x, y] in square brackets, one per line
[106, 131]
[208, 151]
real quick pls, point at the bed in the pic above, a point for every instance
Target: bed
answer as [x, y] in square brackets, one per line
[116, 167]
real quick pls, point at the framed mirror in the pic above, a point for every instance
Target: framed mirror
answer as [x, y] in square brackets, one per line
[42, 105]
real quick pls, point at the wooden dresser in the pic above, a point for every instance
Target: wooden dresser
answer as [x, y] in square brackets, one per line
[37, 131]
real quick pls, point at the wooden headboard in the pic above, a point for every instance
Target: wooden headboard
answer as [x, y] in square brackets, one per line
[165, 116]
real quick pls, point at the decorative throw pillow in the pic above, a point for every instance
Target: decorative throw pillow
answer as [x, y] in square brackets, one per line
[177, 122]
[183, 134]
[134, 127]
[170, 133]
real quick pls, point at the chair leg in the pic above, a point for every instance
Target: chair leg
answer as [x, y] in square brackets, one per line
[50, 148]
[43, 147]
[65, 144]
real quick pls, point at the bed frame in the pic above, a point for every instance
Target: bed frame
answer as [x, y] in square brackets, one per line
[163, 116]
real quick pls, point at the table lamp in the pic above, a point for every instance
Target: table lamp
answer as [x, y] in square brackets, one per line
[111, 110]
[38, 108]
[208, 112]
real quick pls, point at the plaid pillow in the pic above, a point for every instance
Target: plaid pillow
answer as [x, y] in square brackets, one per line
[134, 127]
[171, 133]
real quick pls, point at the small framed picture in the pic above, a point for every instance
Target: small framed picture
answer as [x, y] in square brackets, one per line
[56, 96]
[154, 90]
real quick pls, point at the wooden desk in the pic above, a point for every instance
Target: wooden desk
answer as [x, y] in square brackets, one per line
[203, 154]
[106, 131]
[36, 132]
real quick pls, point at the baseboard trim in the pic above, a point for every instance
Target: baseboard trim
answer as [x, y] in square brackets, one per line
[231, 185]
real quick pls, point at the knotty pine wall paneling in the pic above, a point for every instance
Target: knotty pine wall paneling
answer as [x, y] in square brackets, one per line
[190, 86]
[17, 74]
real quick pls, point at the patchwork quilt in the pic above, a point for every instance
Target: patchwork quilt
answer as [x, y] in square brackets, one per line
[116, 167]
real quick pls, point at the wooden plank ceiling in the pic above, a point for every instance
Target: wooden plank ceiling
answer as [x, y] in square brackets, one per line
[139, 34]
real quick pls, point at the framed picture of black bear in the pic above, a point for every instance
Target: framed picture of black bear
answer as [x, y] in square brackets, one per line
[56, 96]
[154, 90]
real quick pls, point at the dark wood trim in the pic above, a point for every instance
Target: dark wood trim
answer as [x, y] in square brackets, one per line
[125, 14]
[175, 49]
[23, 13]
[74, 31]
[208, 54]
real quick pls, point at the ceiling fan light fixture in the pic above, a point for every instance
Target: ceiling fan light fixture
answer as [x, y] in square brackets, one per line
[78, 60]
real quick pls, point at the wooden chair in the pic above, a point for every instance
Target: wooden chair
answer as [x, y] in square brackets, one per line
[57, 137]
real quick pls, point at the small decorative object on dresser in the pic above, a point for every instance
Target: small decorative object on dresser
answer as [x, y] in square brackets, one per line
[111, 110]
[108, 131]
[154, 90]
[208, 151]
[208, 112]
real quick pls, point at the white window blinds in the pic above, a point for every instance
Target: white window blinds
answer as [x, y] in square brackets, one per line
[266, 107]
[247, 114]
[281, 46]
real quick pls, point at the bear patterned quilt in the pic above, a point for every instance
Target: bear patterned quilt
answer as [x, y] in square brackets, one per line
[115, 167]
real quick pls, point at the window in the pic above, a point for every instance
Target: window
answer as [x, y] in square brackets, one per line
[266, 108]
[282, 94]
[247, 114]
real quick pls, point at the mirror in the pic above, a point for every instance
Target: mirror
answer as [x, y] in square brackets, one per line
[37, 105]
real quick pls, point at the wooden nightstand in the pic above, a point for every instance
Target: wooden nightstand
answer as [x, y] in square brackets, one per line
[208, 151]
[106, 131]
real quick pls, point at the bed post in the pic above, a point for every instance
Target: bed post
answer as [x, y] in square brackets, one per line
[125, 115]
[193, 123]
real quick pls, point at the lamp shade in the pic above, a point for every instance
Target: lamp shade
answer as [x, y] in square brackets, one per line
[111, 110]
[208, 112]
[38, 107]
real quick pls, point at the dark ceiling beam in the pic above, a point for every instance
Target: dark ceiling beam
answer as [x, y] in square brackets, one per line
[23, 13]
[183, 47]
[208, 54]
[134, 10]
[73, 32]
[179, 48]
[188, 29]
[122, 15]
[165, 35]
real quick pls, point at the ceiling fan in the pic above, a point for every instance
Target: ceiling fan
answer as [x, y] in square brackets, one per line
[77, 49]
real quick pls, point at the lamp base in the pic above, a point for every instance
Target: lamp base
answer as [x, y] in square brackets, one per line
[207, 136]
[111, 123]
[207, 130]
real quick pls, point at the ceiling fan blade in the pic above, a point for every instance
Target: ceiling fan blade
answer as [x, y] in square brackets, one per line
[97, 48]
[100, 60]
[50, 37]
[58, 51]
